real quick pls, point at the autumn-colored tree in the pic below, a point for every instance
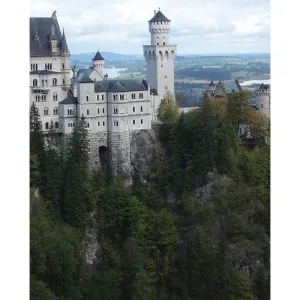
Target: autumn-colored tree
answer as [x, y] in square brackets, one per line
[168, 109]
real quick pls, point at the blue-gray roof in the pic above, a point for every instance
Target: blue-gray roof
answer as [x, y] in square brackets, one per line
[64, 45]
[125, 85]
[83, 76]
[70, 99]
[159, 16]
[42, 27]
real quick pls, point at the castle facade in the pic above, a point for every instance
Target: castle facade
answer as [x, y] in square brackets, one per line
[113, 108]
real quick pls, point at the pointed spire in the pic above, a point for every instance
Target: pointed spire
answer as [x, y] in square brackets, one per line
[63, 44]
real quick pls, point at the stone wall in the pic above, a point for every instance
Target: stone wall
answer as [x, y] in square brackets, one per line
[128, 152]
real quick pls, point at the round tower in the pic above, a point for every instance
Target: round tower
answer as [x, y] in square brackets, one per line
[98, 63]
[160, 56]
[263, 100]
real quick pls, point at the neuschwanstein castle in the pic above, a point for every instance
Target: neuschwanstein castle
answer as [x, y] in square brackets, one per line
[113, 109]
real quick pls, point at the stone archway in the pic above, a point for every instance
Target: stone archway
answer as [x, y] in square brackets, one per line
[103, 156]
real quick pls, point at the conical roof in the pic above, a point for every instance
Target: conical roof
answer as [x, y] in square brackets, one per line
[98, 56]
[159, 16]
[211, 83]
[63, 44]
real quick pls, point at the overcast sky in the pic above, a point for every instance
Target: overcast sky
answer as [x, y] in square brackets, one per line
[197, 26]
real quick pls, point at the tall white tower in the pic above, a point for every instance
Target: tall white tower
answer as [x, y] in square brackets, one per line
[160, 56]
[98, 63]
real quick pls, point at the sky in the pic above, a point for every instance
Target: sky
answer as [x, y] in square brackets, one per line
[197, 26]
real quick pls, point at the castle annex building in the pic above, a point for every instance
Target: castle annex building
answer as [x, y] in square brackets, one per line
[113, 108]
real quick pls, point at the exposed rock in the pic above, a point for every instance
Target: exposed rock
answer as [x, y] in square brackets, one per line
[143, 150]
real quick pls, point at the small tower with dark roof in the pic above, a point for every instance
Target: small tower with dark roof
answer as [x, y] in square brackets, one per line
[65, 66]
[263, 98]
[98, 63]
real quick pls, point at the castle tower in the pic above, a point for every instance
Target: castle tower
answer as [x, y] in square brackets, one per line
[263, 100]
[65, 66]
[160, 56]
[98, 63]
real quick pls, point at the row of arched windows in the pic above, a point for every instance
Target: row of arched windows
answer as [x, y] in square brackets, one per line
[34, 66]
[56, 125]
[71, 111]
[115, 110]
[48, 66]
[54, 82]
[40, 98]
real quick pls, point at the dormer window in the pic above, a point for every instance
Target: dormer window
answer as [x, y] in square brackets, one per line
[35, 37]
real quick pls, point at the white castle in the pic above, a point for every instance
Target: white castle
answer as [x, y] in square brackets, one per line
[113, 109]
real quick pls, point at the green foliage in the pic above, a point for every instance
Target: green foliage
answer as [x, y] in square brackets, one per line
[198, 229]
[168, 109]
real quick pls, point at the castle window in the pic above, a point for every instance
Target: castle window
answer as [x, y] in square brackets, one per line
[55, 97]
[133, 109]
[133, 96]
[114, 96]
[47, 125]
[63, 81]
[97, 97]
[102, 97]
[115, 110]
[88, 125]
[87, 112]
[166, 76]
[98, 111]
[116, 123]
[98, 123]
[54, 82]
[42, 82]
[55, 111]
[46, 111]
[56, 125]
[141, 95]
[141, 121]
[133, 122]
[103, 123]
[63, 65]
[34, 82]
[121, 97]
[157, 44]
[36, 66]
[103, 110]
[50, 66]
[161, 66]
[164, 43]
[36, 97]
[141, 108]
[87, 98]
[35, 37]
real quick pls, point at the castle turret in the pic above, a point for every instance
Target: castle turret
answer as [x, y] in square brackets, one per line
[65, 67]
[98, 63]
[75, 71]
[160, 56]
[263, 100]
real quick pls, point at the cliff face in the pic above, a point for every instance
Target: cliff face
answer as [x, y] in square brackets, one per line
[143, 150]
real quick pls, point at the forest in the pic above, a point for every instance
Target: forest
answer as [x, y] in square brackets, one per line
[199, 228]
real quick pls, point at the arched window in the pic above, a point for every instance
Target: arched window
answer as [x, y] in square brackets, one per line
[56, 125]
[42, 97]
[50, 66]
[46, 82]
[87, 112]
[133, 109]
[97, 96]
[88, 125]
[63, 65]
[55, 111]
[141, 108]
[87, 98]
[47, 125]
[36, 66]
[103, 110]
[38, 97]
[54, 81]
[34, 82]
[115, 110]
[43, 82]
[63, 81]
[46, 111]
[98, 111]
[55, 97]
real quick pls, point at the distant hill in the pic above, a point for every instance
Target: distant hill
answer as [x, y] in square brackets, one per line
[106, 55]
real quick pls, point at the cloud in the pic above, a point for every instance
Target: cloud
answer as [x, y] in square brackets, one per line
[196, 26]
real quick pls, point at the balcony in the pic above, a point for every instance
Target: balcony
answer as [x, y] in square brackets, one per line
[40, 89]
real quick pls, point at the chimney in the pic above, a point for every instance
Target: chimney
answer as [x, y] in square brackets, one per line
[154, 13]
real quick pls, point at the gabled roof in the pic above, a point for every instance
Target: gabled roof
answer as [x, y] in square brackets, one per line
[159, 16]
[70, 99]
[264, 86]
[42, 27]
[211, 83]
[83, 76]
[153, 92]
[98, 56]
[126, 85]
